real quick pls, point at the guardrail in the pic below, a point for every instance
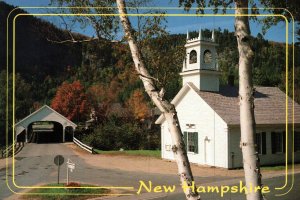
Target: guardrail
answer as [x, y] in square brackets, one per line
[9, 150]
[83, 146]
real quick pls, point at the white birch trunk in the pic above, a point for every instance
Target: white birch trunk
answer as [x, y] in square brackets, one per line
[251, 162]
[184, 169]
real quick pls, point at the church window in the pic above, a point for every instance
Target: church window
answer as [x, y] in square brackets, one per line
[207, 56]
[278, 142]
[193, 57]
[261, 143]
[191, 141]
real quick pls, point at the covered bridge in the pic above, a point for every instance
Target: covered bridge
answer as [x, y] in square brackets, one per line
[44, 125]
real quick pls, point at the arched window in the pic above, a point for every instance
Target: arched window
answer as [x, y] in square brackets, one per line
[207, 56]
[193, 57]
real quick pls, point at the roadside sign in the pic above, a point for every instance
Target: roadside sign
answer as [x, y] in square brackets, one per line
[71, 167]
[58, 160]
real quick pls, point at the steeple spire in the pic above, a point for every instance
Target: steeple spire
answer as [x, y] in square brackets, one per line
[200, 34]
[187, 35]
[213, 35]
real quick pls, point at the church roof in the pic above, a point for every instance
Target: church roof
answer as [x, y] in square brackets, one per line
[270, 105]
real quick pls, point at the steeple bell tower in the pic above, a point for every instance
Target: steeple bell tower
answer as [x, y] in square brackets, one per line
[200, 65]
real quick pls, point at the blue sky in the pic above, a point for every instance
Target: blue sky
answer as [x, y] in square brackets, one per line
[179, 24]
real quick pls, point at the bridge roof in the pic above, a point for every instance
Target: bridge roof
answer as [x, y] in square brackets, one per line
[45, 113]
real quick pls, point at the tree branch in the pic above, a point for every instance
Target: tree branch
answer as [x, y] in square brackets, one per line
[149, 77]
[71, 40]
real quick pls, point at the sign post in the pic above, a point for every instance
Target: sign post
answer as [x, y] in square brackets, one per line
[71, 167]
[58, 160]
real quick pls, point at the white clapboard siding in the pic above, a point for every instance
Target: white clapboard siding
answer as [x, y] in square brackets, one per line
[192, 109]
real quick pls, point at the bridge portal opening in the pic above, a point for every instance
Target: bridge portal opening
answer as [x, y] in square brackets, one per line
[45, 132]
[69, 133]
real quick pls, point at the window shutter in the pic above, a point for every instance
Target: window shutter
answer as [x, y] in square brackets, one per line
[273, 142]
[296, 141]
[196, 142]
[185, 140]
[263, 143]
[283, 141]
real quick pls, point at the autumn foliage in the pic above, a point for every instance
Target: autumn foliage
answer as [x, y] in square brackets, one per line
[71, 101]
[137, 105]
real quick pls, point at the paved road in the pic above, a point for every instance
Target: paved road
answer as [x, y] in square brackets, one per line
[294, 194]
[34, 166]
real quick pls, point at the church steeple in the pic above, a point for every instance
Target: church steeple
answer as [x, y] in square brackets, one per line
[213, 36]
[200, 65]
[200, 34]
[187, 35]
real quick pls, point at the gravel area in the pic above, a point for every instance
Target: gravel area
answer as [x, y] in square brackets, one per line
[160, 166]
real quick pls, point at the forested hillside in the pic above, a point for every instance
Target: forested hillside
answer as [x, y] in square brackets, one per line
[98, 75]
[36, 58]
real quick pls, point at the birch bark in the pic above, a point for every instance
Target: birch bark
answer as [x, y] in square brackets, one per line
[168, 110]
[251, 161]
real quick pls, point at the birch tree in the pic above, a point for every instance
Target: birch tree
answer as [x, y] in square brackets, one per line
[251, 162]
[168, 109]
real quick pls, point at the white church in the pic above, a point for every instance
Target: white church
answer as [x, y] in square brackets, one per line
[209, 115]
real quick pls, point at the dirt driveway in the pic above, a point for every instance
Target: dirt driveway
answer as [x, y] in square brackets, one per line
[155, 165]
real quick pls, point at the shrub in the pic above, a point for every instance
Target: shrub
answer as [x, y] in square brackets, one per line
[116, 134]
[73, 184]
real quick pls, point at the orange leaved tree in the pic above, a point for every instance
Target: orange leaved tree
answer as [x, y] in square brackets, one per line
[71, 101]
[137, 105]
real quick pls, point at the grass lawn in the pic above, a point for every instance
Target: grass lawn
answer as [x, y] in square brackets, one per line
[64, 193]
[150, 153]
[275, 167]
